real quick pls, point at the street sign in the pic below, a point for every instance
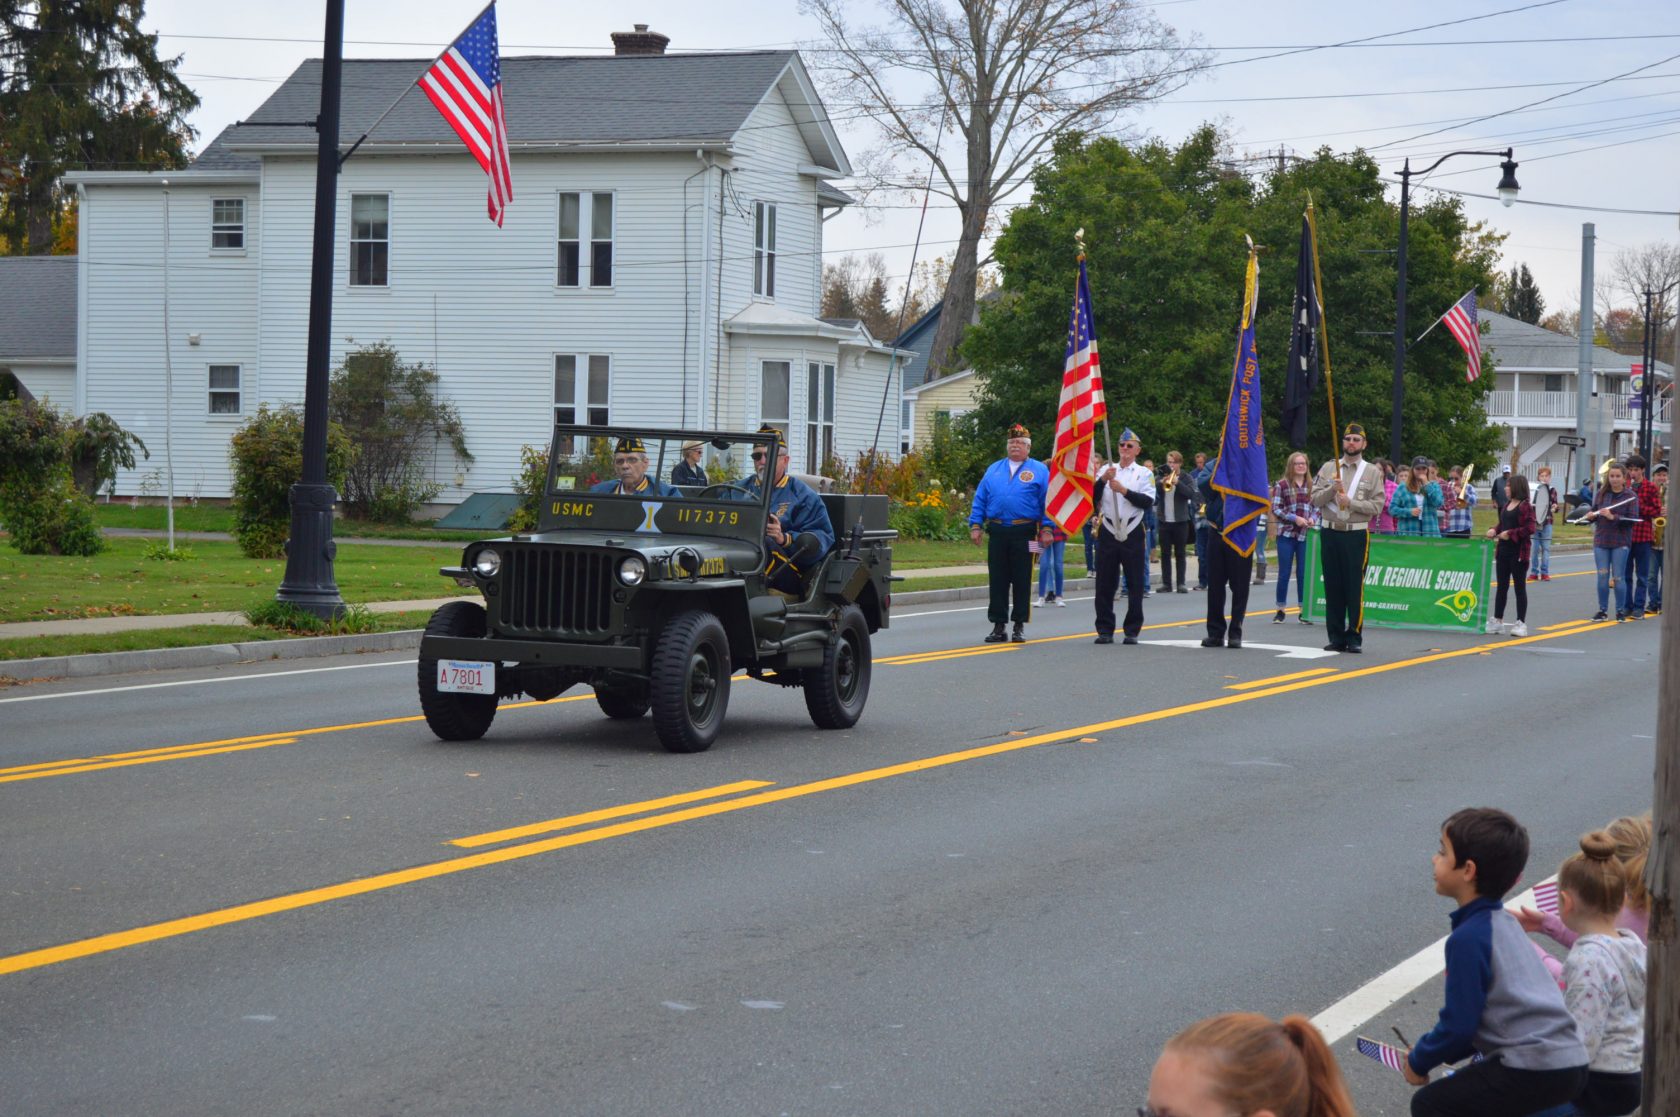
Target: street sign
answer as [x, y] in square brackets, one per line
[1571, 440]
[1636, 403]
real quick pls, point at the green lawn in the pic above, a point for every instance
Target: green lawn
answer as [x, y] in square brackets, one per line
[31, 647]
[122, 581]
[208, 517]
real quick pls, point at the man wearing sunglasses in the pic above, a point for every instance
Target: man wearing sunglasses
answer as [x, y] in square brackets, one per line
[1348, 494]
[795, 508]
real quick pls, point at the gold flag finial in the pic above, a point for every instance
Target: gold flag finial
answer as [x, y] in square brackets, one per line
[1079, 240]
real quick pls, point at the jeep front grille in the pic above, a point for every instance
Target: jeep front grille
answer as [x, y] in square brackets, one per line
[552, 589]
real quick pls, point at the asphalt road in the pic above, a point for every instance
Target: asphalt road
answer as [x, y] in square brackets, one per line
[998, 894]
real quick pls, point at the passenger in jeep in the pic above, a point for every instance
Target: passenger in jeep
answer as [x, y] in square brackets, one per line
[631, 461]
[795, 508]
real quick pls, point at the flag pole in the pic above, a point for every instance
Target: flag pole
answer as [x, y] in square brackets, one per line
[1108, 442]
[1324, 338]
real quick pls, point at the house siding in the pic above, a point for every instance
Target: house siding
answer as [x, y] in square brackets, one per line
[50, 381]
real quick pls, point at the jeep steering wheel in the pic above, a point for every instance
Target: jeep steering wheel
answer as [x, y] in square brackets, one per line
[722, 486]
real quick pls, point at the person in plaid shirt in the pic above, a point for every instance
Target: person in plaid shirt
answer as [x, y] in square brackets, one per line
[1644, 537]
[1294, 514]
[1463, 509]
[1415, 501]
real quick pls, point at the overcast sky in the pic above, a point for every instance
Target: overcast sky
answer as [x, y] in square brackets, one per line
[1615, 146]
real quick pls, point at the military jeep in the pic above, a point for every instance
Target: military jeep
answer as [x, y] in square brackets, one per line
[655, 600]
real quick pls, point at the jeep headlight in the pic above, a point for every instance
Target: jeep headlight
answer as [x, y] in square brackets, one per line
[487, 563]
[632, 570]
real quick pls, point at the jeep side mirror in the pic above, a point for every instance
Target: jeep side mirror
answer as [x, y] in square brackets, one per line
[805, 546]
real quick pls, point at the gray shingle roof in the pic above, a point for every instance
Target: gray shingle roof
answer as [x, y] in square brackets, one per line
[1518, 344]
[37, 306]
[592, 99]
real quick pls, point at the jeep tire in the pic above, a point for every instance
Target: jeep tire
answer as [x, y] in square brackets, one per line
[689, 690]
[835, 693]
[626, 702]
[454, 717]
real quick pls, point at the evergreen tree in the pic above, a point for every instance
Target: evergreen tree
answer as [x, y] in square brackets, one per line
[1521, 296]
[81, 86]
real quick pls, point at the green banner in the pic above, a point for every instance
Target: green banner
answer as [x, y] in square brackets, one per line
[1415, 583]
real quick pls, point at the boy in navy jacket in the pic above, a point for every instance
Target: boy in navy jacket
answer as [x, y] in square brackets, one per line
[1500, 1001]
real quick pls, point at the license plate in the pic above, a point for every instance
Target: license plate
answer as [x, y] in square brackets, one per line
[466, 676]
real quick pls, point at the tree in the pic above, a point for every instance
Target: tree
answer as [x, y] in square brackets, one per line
[1164, 229]
[1519, 296]
[1649, 267]
[981, 90]
[857, 287]
[394, 418]
[80, 86]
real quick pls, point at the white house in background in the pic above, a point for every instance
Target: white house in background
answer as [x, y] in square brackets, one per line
[38, 325]
[1534, 395]
[660, 262]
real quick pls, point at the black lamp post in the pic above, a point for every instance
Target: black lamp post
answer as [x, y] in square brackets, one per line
[1507, 191]
[309, 582]
[1648, 359]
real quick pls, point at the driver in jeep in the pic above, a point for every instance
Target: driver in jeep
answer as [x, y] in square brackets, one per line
[795, 508]
[630, 461]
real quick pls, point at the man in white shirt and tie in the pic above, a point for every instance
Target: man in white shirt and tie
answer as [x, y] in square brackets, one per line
[1124, 491]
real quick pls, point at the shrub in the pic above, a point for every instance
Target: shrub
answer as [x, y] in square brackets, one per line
[286, 617]
[267, 457]
[394, 417]
[99, 446]
[40, 505]
[529, 484]
[160, 551]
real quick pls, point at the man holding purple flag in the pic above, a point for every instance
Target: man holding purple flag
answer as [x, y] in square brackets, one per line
[1239, 491]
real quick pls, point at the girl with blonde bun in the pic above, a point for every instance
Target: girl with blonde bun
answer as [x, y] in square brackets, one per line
[1604, 977]
[1241, 1062]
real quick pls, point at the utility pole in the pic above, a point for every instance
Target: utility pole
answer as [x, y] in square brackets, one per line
[1647, 345]
[1662, 996]
[1584, 360]
[309, 583]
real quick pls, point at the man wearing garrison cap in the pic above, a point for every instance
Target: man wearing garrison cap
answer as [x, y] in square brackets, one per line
[630, 460]
[1009, 507]
[1125, 491]
[794, 510]
[1348, 493]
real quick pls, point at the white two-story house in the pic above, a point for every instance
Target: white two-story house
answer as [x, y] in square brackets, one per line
[660, 262]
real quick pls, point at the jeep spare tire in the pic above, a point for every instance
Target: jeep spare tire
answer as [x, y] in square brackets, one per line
[454, 717]
[835, 693]
[689, 689]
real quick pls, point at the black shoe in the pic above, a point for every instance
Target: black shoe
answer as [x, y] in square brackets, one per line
[1201, 585]
[1018, 636]
[1636, 615]
[1335, 647]
[1279, 618]
[1654, 611]
[1620, 616]
[1183, 589]
[1210, 642]
[1166, 587]
[1104, 638]
[1303, 620]
[1598, 616]
[1233, 642]
[996, 636]
[1354, 649]
[1129, 640]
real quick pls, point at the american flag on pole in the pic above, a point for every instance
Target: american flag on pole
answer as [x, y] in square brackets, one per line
[1461, 322]
[1546, 896]
[1068, 501]
[465, 83]
[1385, 1053]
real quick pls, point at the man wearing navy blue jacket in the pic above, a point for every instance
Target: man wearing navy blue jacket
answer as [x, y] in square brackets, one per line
[1500, 1001]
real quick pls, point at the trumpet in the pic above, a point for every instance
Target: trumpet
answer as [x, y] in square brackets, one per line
[1659, 528]
[1170, 481]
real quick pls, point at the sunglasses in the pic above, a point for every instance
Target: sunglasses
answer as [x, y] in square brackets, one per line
[758, 455]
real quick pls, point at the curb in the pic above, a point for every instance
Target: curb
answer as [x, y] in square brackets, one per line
[306, 647]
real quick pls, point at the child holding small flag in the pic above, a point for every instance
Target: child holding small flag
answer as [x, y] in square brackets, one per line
[1500, 1001]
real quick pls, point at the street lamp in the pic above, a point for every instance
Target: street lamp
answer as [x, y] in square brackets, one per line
[1507, 191]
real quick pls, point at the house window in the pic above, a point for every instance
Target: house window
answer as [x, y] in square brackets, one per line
[227, 223]
[1554, 382]
[774, 380]
[906, 424]
[819, 416]
[370, 240]
[579, 211]
[764, 249]
[582, 399]
[224, 390]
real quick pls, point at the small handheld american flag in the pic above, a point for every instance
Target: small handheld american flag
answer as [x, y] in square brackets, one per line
[1385, 1053]
[1546, 896]
[465, 83]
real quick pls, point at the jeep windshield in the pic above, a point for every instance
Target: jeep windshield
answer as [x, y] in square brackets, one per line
[654, 481]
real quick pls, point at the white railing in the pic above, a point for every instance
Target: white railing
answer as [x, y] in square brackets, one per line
[1504, 404]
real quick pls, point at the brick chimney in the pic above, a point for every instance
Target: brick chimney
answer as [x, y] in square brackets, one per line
[639, 41]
